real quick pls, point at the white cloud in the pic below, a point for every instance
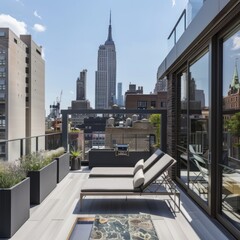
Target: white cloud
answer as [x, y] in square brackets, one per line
[236, 43]
[173, 2]
[18, 27]
[37, 15]
[20, 2]
[39, 28]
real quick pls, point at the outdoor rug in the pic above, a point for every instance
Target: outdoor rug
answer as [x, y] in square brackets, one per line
[123, 227]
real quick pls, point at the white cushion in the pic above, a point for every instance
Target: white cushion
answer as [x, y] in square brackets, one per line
[138, 178]
[138, 165]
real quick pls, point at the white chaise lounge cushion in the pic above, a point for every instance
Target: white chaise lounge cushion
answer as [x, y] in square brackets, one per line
[138, 179]
[138, 165]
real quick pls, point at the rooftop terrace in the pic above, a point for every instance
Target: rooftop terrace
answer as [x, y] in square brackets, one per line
[55, 216]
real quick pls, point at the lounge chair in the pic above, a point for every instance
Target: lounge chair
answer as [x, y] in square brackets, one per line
[147, 183]
[126, 171]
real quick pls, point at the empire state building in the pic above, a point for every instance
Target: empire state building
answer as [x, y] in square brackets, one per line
[105, 79]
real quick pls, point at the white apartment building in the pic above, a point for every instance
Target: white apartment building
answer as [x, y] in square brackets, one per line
[22, 94]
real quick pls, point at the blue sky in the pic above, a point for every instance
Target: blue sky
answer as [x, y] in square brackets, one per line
[70, 33]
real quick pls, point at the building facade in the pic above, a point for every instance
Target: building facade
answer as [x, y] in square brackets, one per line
[146, 101]
[161, 85]
[119, 95]
[203, 112]
[81, 85]
[22, 93]
[81, 101]
[105, 78]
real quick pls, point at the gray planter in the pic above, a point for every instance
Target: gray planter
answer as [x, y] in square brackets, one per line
[75, 163]
[42, 182]
[14, 208]
[62, 166]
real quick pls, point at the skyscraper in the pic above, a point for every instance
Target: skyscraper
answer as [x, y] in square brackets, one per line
[81, 85]
[81, 101]
[105, 79]
[120, 95]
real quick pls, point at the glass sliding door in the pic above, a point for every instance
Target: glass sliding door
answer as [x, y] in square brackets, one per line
[182, 127]
[229, 163]
[193, 124]
[198, 126]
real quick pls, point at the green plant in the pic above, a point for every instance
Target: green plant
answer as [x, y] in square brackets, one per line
[75, 153]
[233, 126]
[155, 120]
[57, 152]
[35, 161]
[10, 174]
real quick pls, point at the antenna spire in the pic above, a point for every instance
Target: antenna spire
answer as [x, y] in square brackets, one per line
[109, 39]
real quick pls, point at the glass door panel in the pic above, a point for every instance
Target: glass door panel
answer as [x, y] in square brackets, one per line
[182, 128]
[198, 144]
[229, 163]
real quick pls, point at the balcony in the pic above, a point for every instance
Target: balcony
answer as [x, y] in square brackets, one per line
[55, 217]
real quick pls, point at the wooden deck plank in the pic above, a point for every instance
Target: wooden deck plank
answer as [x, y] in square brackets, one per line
[55, 216]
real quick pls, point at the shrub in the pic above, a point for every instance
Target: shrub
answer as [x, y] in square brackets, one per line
[57, 152]
[10, 174]
[35, 161]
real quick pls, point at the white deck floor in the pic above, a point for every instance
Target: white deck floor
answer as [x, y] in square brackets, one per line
[55, 216]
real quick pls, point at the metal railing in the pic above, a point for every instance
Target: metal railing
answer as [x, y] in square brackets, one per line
[14, 149]
[173, 37]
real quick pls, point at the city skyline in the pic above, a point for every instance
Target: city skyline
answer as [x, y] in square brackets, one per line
[70, 37]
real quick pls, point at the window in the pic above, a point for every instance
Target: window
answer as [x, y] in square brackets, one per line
[15, 40]
[142, 104]
[198, 123]
[2, 123]
[38, 51]
[163, 104]
[193, 124]
[153, 104]
[230, 161]
[2, 84]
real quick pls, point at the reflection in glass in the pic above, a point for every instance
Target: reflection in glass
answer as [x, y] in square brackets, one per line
[198, 126]
[182, 131]
[230, 161]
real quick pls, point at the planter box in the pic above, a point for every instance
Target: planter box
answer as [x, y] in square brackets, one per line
[14, 208]
[108, 158]
[42, 182]
[62, 166]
